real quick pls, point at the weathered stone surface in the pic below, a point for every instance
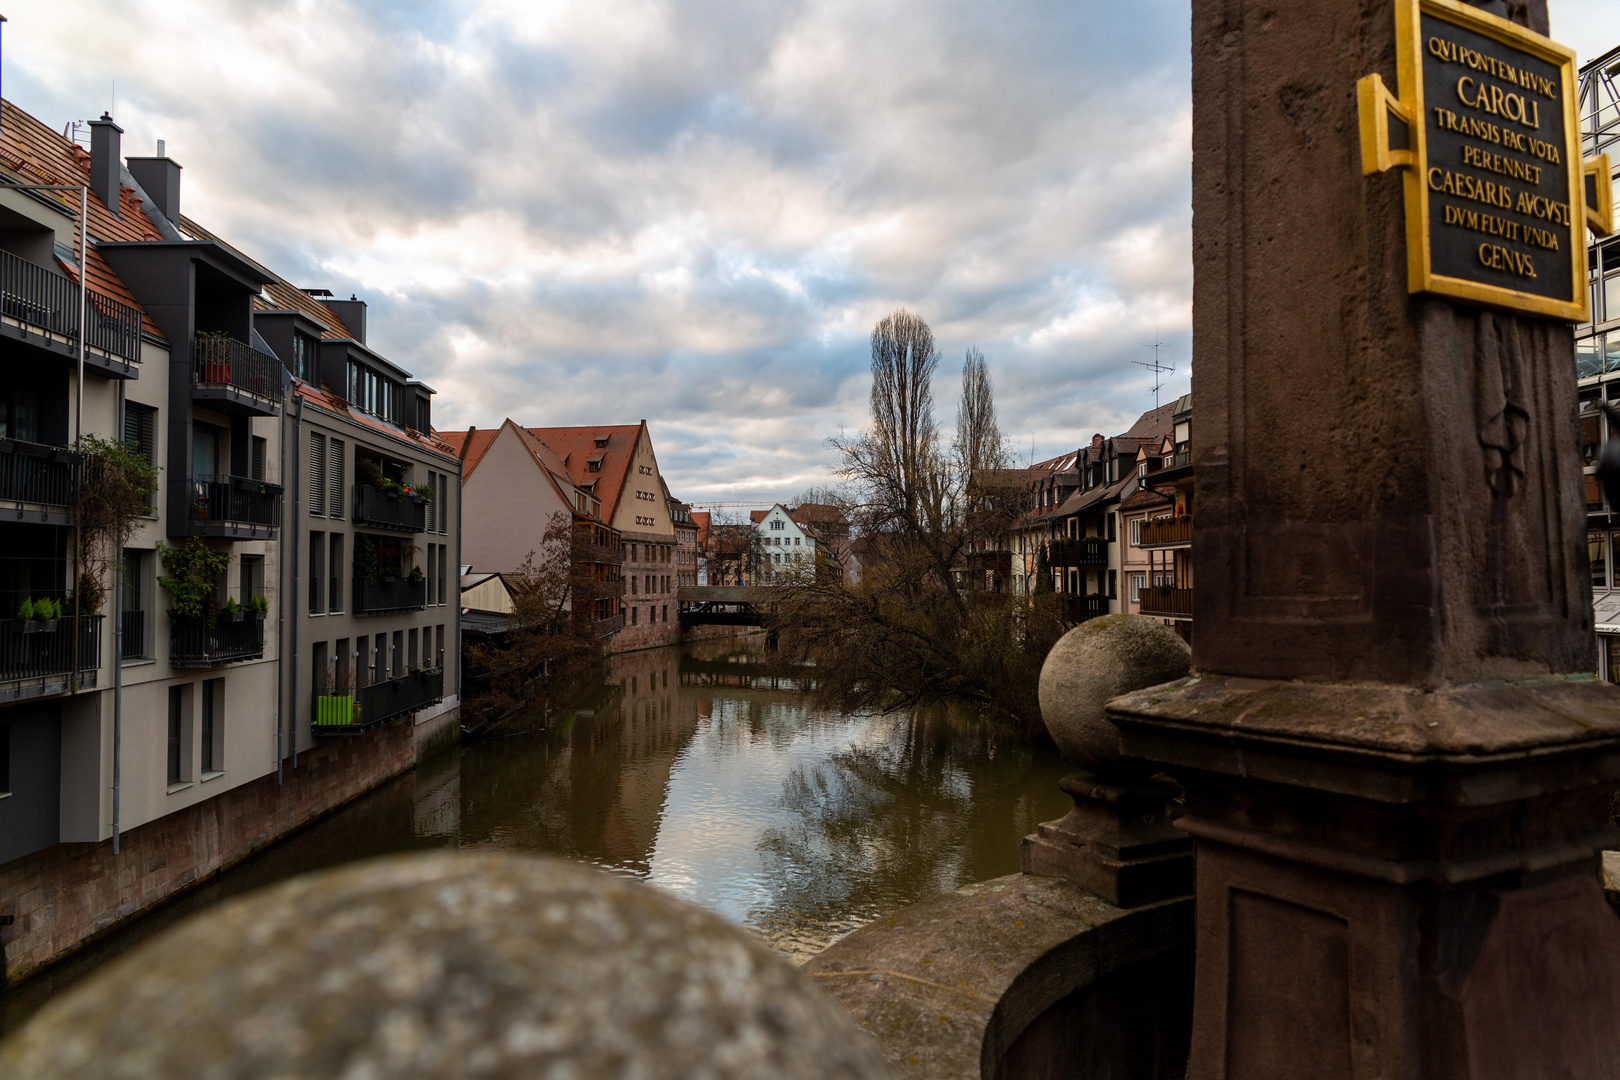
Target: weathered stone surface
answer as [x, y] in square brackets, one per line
[1611, 879]
[948, 985]
[1098, 660]
[440, 966]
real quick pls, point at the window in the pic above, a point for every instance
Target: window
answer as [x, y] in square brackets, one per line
[177, 732]
[414, 662]
[666, 613]
[133, 609]
[776, 524]
[334, 498]
[1138, 583]
[438, 652]
[397, 654]
[432, 572]
[632, 616]
[304, 357]
[317, 474]
[256, 457]
[422, 421]
[1113, 581]
[444, 550]
[250, 580]
[1595, 547]
[213, 759]
[1136, 535]
[19, 415]
[317, 572]
[140, 430]
[334, 571]
[441, 492]
[1110, 519]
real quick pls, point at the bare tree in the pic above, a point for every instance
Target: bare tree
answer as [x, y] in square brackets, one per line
[979, 443]
[922, 624]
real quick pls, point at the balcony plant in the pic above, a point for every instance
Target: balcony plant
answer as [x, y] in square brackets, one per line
[416, 573]
[369, 473]
[192, 579]
[367, 567]
[116, 486]
[39, 616]
[231, 609]
[259, 606]
[215, 352]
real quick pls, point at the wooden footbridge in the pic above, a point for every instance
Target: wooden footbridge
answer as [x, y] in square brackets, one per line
[723, 605]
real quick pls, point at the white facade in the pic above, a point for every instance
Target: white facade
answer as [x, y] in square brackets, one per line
[784, 546]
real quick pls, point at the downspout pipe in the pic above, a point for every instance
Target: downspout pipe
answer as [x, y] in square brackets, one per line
[118, 661]
[297, 519]
[281, 595]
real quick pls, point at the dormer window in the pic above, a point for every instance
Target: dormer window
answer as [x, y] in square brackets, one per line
[601, 442]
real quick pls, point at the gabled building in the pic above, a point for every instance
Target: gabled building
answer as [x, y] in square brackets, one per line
[513, 487]
[786, 544]
[616, 470]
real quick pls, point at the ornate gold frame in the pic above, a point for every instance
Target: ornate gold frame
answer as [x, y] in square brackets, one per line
[1377, 105]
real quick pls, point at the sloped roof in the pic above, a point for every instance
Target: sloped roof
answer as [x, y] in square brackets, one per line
[34, 154]
[576, 446]
[332, 403]
[1145, 497]
[282, 294]
[481, 438]
[700, 518]
[1153, 423]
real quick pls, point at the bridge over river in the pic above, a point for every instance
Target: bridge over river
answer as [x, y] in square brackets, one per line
[723, 605]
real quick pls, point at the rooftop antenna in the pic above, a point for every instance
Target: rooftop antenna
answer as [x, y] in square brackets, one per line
[1159, 370]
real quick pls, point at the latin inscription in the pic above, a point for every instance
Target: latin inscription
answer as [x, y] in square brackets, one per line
[1497, 179]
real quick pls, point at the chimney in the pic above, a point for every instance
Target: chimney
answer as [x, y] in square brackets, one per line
[106, 160]
[353, 313]
[159, 177]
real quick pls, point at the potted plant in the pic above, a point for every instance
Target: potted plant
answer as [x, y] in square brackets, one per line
[260, 606]
[416, 573]
[231, 610]
[213, 356]
[193, 576]
[39, 616]
[369, 473]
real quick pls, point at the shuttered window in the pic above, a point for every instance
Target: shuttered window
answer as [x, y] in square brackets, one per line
[432, 505]
[317, 474]
[140, 430]
[259, 444]
[335, 497]
[443, 490]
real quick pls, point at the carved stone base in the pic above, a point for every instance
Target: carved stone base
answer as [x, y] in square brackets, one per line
[1393, 882]
[1117, 843]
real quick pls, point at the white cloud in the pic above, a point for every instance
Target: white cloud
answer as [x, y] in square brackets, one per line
[689, 211]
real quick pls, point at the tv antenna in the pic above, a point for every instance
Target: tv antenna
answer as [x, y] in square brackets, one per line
[1159, 370]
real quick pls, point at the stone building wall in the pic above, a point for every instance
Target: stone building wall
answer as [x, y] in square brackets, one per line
[65, 895]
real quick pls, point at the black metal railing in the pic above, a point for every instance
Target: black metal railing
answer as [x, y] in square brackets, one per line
[1081, 551]
[368, 705]
[32, 473]
[373, 506]
[389, 594]
[610, 625]
[225, 363]
[1167, 601]
[37, 649]
[36, 296]
[235, 500]
[1078, 609]
[193, 643]
[134, 630]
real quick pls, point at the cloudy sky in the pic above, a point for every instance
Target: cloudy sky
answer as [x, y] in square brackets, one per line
[691, 211]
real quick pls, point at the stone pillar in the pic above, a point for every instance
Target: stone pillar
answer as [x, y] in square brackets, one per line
[1396, 761]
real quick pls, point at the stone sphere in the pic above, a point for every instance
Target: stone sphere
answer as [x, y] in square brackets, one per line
[1096, 661]
[446, 965]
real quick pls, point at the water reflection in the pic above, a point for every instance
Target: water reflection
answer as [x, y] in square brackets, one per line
[690, 771]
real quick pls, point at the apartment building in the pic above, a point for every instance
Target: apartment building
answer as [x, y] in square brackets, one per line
[1597, 358]
[1157, 525]
[786, 545]
[163, 726]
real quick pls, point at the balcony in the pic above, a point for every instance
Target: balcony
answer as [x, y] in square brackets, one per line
[234, 378]
[232, 638]
[42, 308]
[609, 626]
[1081, 551]
[348, 714]
[1077, 609]
[36, 658]
[41, 483]
[1167, 602]
[389, 594]
[234, 507]
[386, 510]
[1166, 532]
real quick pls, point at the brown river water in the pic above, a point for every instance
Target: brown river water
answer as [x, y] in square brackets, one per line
[693, 774]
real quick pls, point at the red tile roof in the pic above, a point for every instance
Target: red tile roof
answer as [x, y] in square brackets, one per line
[325, 399]
[34, 154]
[577, 447]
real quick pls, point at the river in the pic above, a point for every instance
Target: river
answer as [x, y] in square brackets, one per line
[694, 774]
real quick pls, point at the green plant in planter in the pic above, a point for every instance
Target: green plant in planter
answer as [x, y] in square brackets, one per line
[232, 606]
[423, 491]
[48, 610]
[261, 604]
[25, 611]
[416, 573]
[369, 472]
[392, 487]
[193, 577]
[366, 566]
